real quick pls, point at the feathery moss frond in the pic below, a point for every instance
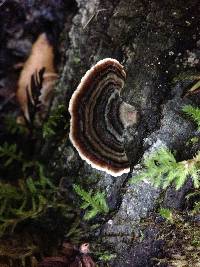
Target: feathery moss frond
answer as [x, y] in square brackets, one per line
[162, 169]
[166, 214]
[29, 200]
[56, 117]
[194, 113]
[96, 202]
[9, 153]
[13, 127]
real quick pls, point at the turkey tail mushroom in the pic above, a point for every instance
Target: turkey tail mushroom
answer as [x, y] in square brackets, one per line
[99, 117]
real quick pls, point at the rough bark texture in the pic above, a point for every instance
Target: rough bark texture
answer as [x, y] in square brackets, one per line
[155, 41]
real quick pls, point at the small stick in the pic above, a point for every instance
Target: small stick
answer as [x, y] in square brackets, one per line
[96, 13]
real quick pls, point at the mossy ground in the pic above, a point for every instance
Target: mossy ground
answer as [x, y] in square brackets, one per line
[182, 241]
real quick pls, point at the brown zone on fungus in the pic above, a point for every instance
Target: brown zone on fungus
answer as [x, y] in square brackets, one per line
[95, 131]
[41, 56]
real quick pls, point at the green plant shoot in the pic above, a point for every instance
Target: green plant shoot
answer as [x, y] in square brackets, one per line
[162, 169]
[95, 202]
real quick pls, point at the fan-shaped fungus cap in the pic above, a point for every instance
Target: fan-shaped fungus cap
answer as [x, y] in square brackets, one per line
[99, 116]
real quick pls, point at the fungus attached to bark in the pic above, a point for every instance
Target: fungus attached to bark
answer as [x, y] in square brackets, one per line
[41, 58]
[99, 117]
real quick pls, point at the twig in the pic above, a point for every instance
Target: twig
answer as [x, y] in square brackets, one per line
[96, 13]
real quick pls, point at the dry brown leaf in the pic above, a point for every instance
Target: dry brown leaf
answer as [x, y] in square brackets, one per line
[73, 257]
[41, 56]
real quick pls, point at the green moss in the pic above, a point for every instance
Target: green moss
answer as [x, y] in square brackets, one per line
[106, 256]
[196, 209]
[162, 169]
[56, 120]
[10, 154]
[32, 199]
[77, 60]
[28, 200]
[186, 76]
[193, 140]
[166, 214]
[29, 191]
[194, 113]
[182, 241]
[94, 201]
[13, 127]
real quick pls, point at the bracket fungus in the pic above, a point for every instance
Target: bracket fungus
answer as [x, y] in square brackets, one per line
[99, 117]
[41, 59]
